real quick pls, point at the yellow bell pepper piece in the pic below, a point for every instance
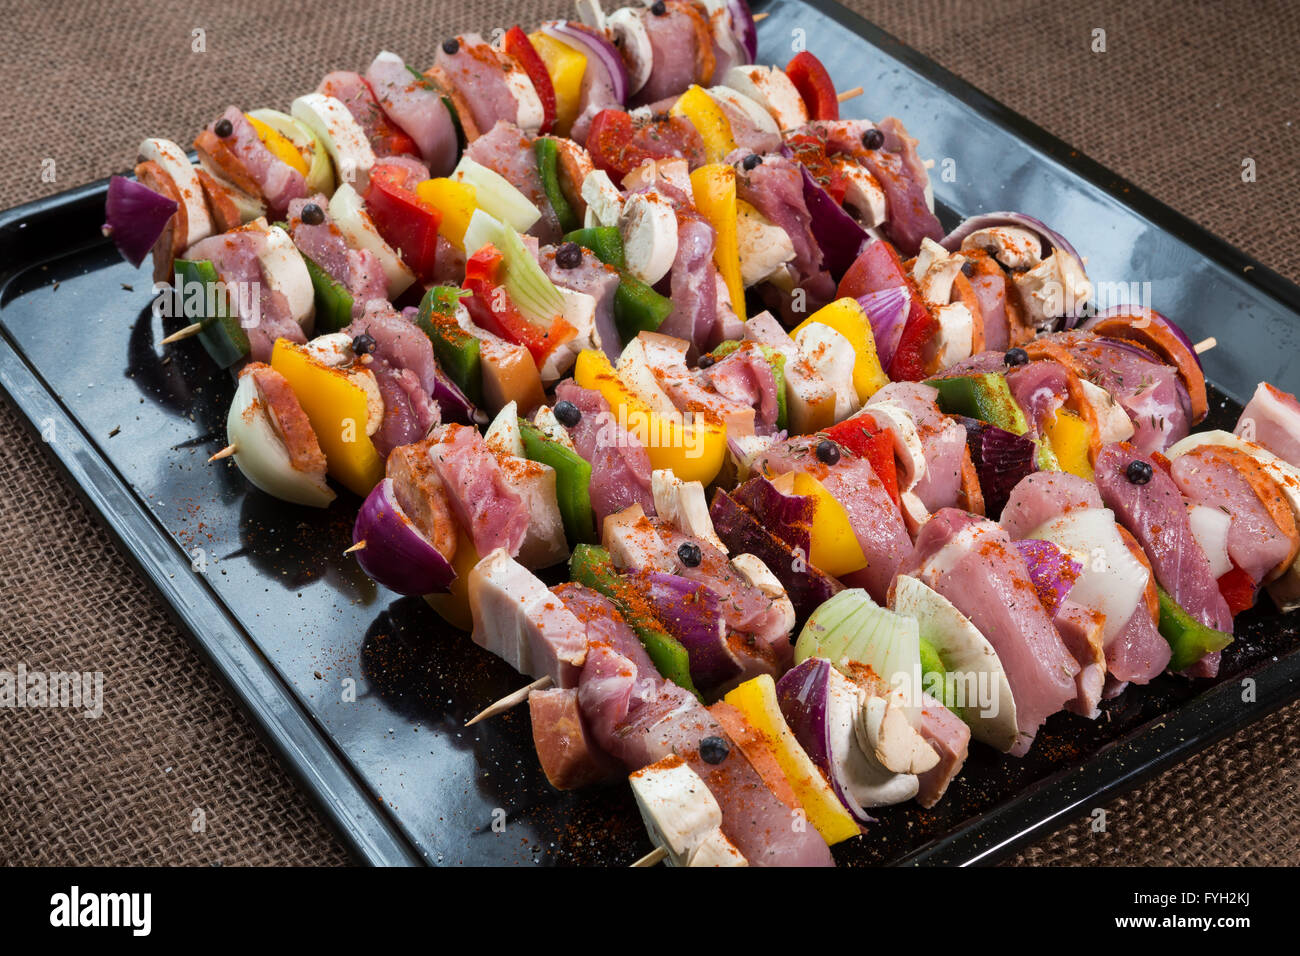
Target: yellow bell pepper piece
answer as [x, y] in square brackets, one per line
[846, 317]
[455, 200]
[566, 67]
[834, 547]
[714, 187]
[757, 702]
[336, 407]
[453, 606]
[694, 452]
[1068, 436]
[709, 121]
[280, 146]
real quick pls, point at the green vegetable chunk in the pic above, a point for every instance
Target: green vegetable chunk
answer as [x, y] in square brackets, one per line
[934, 677]
[456, 350]
[590, 565]
[637, 307]
[548, 166]
[987, 397]
[333, 300]
[1189, 638]
[572, 480]
[207, 302]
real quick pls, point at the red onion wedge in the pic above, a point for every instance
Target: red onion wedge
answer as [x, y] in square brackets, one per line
[134, 217]
[1051, 569]
[887, 310]
[1160, 334]
[691, 613]
[789, 517]
[838, 234]
[453, 403]
[744, 27]
[823, 709]
[396, 554]
[743, 532]
[1001, 460]
[596, 48]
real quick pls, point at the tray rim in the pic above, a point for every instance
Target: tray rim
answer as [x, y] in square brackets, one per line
[301, 747]
[360, 819]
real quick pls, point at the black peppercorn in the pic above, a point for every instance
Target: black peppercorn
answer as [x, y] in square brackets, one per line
[568, 256]
[363, 344]
[567, 414]
[752, 160]
[312, 214]
[1016, 357]
[223, 127]
[873, 139]
[451, 47]
[659, 8]
[714, 750]
[690, 554]
[1138, 471]
[968, 268]
[706, 361]
[828, 453]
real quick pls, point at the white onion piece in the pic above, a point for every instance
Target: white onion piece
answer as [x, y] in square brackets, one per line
[1112, 580]
[1210, 529]
[261, 453]
[349, 214]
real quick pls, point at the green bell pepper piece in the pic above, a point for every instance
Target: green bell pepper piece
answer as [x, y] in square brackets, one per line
[548, 166]
[221, 334]
[590, 565]
[637, 307]
[934, 677]
[605, 241]
[572, 480]
[987, 397]
[333, 300]
[456, 350]
[1189, 638]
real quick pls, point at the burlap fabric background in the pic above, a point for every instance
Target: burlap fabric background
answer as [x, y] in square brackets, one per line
[1184, 93]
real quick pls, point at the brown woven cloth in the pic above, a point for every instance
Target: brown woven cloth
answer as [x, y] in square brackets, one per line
[1184, 93]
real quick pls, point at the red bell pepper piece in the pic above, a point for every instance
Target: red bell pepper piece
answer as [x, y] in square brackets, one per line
[490, 307]
[814, 85]
[862, 436]
[619, 144]
[517, 45]
[406, 222]
[1238, 590]
[911, 362]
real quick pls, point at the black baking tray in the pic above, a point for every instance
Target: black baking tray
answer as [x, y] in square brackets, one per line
[364, 695]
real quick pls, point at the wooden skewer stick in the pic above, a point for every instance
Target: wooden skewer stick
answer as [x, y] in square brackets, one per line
[849, 94]
[760, 17]
[224, 453]
[653, 858]
[185, 333]
[510, 700]
[359, 546]
[1205, 345]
